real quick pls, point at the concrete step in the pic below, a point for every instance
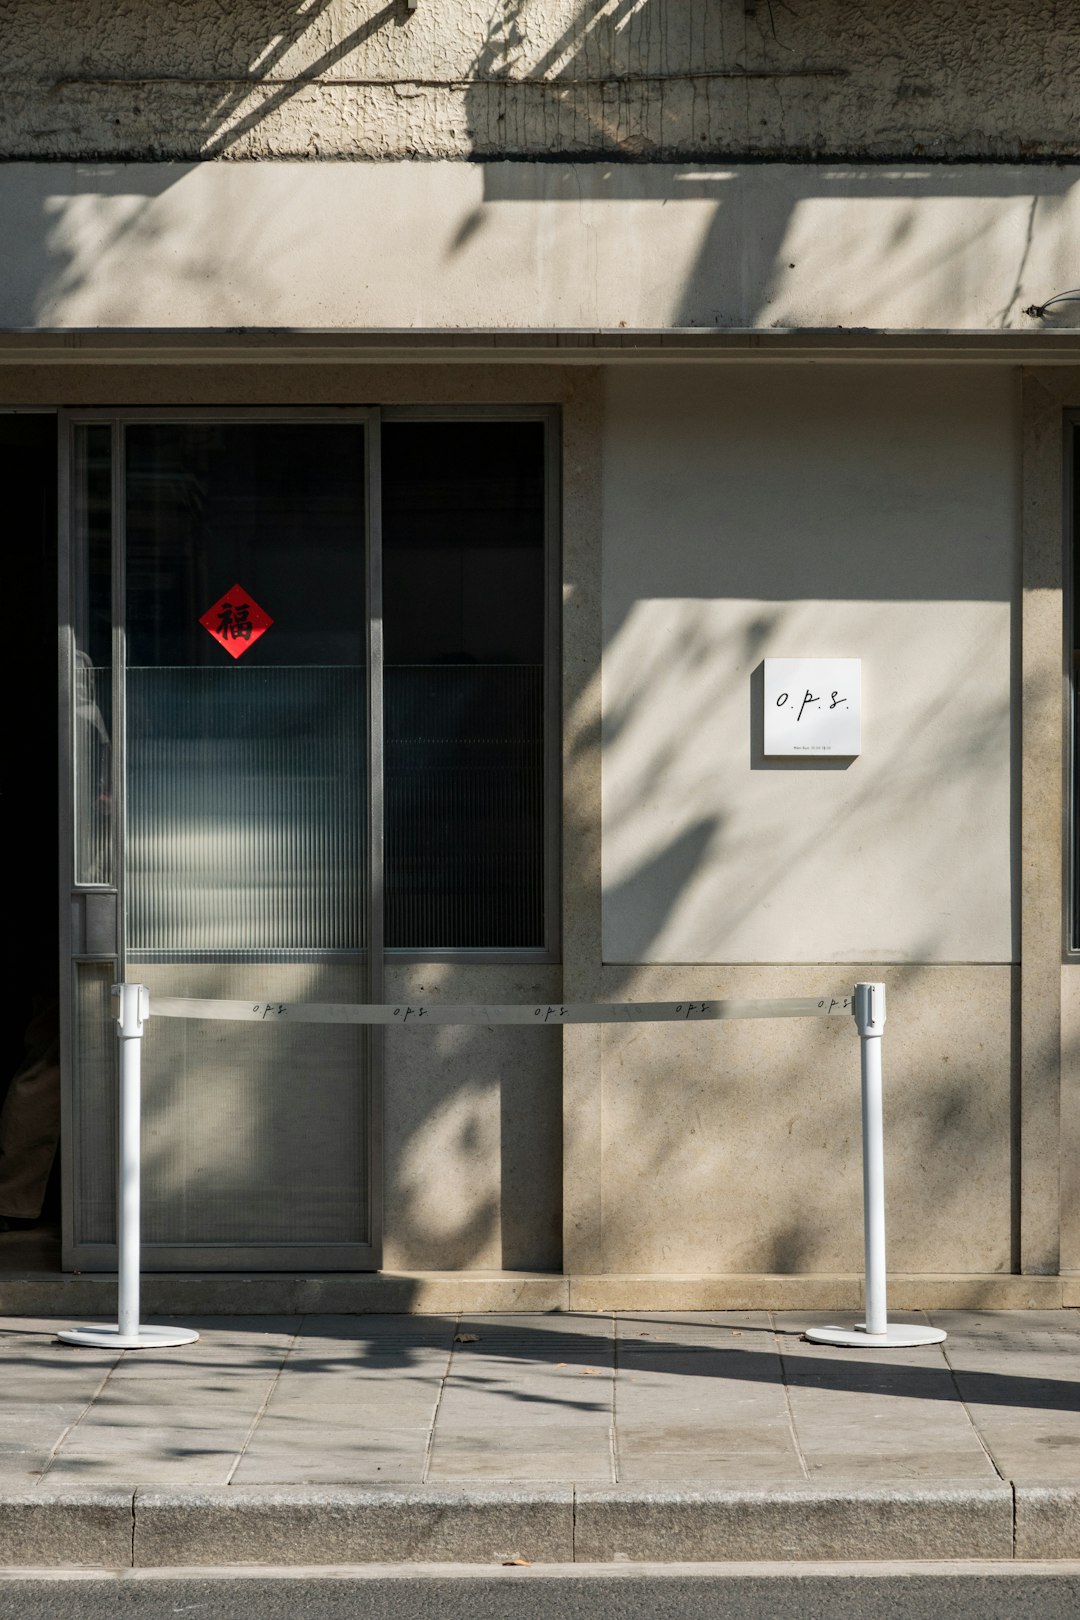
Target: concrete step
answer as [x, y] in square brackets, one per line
[33, 1289]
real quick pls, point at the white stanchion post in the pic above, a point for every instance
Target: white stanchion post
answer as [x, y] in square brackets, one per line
[128, 1334]
[875, 1333]
[870, 1022]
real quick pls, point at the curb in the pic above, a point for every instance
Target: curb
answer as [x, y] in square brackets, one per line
[360, 1525]
[319, 1526]
[46, 1528]
[758, 1522]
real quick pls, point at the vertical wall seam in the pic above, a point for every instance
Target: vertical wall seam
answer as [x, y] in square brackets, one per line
[1040, 846]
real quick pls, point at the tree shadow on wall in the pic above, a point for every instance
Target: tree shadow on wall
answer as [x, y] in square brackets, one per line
[651, 103]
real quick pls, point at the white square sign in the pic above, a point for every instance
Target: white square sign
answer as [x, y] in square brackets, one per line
[813, 706]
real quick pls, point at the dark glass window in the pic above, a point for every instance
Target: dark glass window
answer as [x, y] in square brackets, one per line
[464, 634]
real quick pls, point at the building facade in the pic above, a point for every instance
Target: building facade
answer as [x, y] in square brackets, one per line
[450, 411]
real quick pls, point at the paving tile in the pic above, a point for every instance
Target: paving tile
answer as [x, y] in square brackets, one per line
[355, 1401]
[1019, 1377]
[373, 1345]
[242, 1345]
[152, 1454]
[344, 1428]
[690, 1328]
[23, 1468]
[183, 1402]
[189, 1423]
[320, 1457]
[44, 1391]
[29, 1435]
[701, 1398]
[530, 1399]
[880, 1416]
[31, 1354]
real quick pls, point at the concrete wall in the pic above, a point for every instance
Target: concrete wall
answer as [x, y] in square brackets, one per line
[810, 512]
[712, 1153]
[536, 245]
[473, 1129]
[818, 512]
[735, 1148]
[647, 79]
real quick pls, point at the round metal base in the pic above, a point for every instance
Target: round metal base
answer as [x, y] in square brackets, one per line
[897, 1336]
[102, 1337]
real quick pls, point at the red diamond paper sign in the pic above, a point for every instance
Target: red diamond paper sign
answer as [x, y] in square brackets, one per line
[236, 622]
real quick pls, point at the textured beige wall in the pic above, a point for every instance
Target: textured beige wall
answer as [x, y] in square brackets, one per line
[473, 1128]
[704, 78]
[536, 245]
[736, 1147]
[1066, 1163]
[731, 1197]
[815, 512]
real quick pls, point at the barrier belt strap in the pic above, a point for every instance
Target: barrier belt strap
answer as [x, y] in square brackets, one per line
[417, 1013]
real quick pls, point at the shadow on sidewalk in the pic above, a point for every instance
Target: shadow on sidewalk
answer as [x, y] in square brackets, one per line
[674, 1347]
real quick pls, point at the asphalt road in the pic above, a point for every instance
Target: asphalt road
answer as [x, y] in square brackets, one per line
[630, 1592]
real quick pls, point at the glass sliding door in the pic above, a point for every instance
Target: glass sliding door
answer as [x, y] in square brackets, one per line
[243, 843]
[312, 719]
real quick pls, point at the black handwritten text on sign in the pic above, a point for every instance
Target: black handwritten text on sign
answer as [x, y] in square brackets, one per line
[812, 706]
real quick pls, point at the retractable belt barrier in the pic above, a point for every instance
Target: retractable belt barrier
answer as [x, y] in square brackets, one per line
[601, 1012]
[866, 1005]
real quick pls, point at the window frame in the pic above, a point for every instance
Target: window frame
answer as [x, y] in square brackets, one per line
[550, 416]
[1070, 629]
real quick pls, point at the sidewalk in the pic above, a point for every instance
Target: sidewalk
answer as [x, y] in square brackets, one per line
[559, 1438]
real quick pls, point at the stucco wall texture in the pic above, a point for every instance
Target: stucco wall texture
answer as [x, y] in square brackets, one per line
[363, 244]
[622, 79]
[828, 513]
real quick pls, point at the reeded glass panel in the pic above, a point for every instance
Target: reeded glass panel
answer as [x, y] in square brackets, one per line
[254, 1133]
[246, 735]
[463, 622]
[92, 602]
[245, 810]
[95, 1092]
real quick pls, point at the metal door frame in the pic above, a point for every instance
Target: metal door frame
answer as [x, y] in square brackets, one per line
[76, 900]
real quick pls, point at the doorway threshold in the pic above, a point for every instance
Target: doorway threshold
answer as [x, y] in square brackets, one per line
[31, 1252]
[425, 1293]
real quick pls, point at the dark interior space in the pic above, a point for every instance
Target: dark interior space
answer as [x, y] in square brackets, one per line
[463, 621]
[28, 463]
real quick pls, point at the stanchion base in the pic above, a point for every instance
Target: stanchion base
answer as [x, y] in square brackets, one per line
[897, 1336]
[102, 1337]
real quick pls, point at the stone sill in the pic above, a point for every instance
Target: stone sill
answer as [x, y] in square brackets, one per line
[436, 1293]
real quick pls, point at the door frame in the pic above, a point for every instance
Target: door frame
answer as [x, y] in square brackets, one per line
[78, 900]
